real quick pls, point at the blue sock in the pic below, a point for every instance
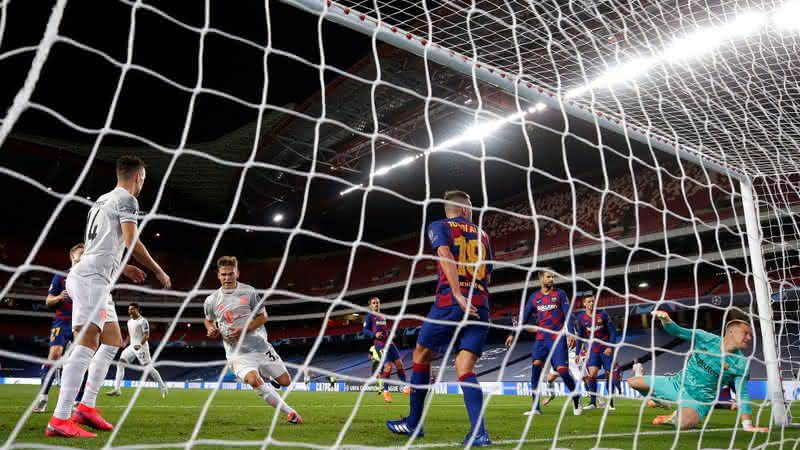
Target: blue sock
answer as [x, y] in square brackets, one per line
[47, 383]
[420, 375]
[593, 391]
[536, 376]
[473, 399]
[569, 382]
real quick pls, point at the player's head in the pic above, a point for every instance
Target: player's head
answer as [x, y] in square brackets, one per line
[636, 360]
[75, 253]
[738, 333]
[457, 204]
[228, 271]
[130, 174]
[134, 311]
[588, 303]
[374, 304]
[547, 278]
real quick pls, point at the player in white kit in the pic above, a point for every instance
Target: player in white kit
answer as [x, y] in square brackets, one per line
[235, 313]
[110, 229]
[139, 349]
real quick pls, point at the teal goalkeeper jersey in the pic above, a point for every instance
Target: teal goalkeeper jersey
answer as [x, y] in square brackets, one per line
[702, 373]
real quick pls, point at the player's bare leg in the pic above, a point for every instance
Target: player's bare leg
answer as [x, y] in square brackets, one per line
[401, 372]
[269, 395]
[119, 376]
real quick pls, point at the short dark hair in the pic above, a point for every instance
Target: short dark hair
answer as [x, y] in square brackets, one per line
[227, 261]
[545, 270]
[127, 166]
[135, 305]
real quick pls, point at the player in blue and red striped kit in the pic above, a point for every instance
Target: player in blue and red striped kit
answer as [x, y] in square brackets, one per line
[462, 293]
[552, 309]
[598, 327]
[376, 327]
[61, 329]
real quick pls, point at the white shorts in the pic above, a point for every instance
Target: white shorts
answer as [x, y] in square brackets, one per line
[267, 364]
[143, 354]
[91, 301]
[578, 373]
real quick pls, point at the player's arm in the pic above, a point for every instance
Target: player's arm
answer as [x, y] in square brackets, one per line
[567, 308]
[671, 327]
[743, 402]
[612, 332]
[527, 311]
[368, 327]
[140, 253]
[56, 293]
[211, 327]
[145, 335]
[579, 342]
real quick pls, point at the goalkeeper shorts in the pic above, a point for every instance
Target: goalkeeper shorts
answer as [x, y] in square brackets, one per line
[669, 388]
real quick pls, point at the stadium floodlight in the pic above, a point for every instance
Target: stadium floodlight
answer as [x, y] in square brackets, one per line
[277, 218]
[382, 171]
[694, 45]
[644, 284]
[787, 16]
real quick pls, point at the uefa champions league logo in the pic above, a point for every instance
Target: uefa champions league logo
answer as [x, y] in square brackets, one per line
[716, 300]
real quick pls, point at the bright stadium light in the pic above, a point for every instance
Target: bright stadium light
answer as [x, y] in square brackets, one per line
[683, 48]
[787, 16]
[277, 218]
[644, 284]
[475, 132]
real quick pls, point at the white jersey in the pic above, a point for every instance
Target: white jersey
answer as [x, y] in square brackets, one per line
[638, 370]
[137, 329]
[103, 240]
[231, 308]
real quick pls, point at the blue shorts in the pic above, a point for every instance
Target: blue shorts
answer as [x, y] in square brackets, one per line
[437, 336]
[600, 359]
[670, 389]
[60, 333]
[543, 347]
[392, 354]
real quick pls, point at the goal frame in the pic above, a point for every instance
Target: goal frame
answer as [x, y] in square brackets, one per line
[522, 87]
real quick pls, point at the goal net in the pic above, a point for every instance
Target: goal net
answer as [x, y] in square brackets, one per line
[645, 153]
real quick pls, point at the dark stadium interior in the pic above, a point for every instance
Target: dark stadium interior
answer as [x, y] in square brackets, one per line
[645, 217]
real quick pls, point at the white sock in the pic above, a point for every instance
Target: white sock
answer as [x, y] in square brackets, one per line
[71, 379]
[157, 378]
[120, 374]
[98, 370]
[267, 392]
[551, 386]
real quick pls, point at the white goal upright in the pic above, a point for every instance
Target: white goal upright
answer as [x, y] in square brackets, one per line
[709, 84]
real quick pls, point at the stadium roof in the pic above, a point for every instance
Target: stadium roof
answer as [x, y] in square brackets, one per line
[715, 78]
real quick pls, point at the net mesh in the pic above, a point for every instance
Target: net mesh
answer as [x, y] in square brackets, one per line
[640, 229]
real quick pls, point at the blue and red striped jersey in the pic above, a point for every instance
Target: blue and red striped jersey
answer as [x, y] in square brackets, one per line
[373, 324]
[552, 312]
[63, 308]
[468, 247]
[602, 329]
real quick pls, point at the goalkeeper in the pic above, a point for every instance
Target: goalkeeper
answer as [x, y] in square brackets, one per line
[375, 357]
[714, 362]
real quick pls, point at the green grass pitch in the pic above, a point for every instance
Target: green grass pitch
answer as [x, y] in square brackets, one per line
[242, 416]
